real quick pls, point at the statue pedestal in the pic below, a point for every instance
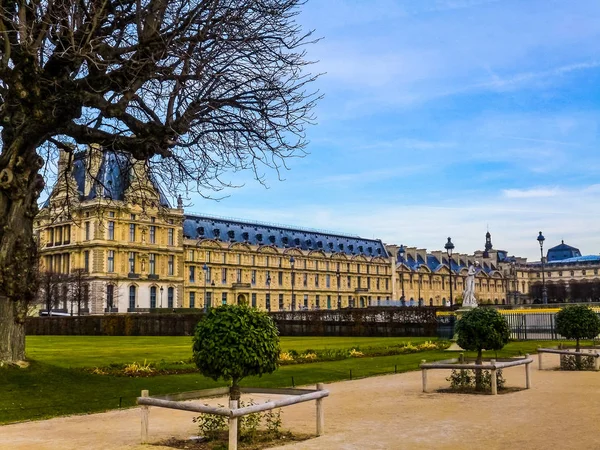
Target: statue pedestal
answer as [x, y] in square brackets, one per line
[458, 314]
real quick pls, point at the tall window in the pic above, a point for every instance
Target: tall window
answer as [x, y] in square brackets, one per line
[239, 258]
[111, 261]
[192, 299]
[191, 255]
[86, 260]
[170, 236]
[171, 265]
[224, 298]
[153, 234]
[305, 301]
[110, 296]
[239, 275]
[329, 302]
[280, 302]
[111, 230]
[192, 274]
[317, 302]
[349, 282]
[131, 262]
[131, 297]
[359, 280]
[59, 234]
[268, 302]
[253, 277]
[224, 275]
[328, 280]
[280, 278]
[153, 297]
[50, 236]
[152, 263]
[254, 300]
[132, 232]
[305, 280]
[170, 297]
[87, 231]
[317, 280]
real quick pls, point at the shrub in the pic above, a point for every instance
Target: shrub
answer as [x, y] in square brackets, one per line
[571, 362]
[465, 379]
[234, 341]
[577, 322]
[356, 354]
[482, 328]
[135, 368]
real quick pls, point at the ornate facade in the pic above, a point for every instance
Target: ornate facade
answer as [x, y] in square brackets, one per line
[108, 219]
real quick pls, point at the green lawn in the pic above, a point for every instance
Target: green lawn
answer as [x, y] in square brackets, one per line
[54, 384]
[93, 351]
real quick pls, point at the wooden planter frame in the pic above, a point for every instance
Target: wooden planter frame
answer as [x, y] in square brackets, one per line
[594, 354]
[492, 365]
[292, 396]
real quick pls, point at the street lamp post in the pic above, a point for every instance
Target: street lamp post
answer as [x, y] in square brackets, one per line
[292, 261]
[161, 292]
[420, 300]
[268, 305]
[541, 240]
[339, 297]
[449, 247]
[401, 253]
[212, 293]
[205, 270]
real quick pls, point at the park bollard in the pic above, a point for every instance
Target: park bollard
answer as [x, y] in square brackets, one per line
[144, 412]
[424, 374]
[233, 426]
[494, 378]
[539, 359]
[528, 372]
[320, 413]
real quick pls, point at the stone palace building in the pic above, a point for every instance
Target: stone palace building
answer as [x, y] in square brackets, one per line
[108, 220]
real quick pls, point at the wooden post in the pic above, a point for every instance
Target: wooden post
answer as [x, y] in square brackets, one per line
[540, 354]
[144, 410]
[424, 373]
[494, 379]
[528, 373]
[233, 426]
[597, 363]
[461, 358]
[320, 413]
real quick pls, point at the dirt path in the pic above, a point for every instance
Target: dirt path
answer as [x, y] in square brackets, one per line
[388, 412]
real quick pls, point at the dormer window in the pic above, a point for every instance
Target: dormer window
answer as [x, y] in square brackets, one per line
[272, 239]
[284, 240]
[200, 231]
[297, 242]
[216, 232]
[360, 249]
[259, 237]
[351, 247]
[245, 236]
[231, 234]
[341, 246]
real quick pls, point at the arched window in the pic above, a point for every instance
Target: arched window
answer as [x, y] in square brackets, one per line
[153, 297]
[170, 296]
[430, 302]
[132, 297]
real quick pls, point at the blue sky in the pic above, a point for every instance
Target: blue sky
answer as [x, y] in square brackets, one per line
[443, 118]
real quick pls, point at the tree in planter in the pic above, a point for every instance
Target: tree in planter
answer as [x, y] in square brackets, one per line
[233, 342]
[577, 322]
[479, 329]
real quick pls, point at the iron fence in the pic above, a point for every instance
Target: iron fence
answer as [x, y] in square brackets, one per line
[523, 326]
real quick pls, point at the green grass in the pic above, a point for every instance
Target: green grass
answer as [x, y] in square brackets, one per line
[55, 383]
[94, 351]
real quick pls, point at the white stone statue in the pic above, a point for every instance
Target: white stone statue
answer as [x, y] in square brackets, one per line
[469, 300]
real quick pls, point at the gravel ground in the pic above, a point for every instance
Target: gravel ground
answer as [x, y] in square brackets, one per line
[388, 412]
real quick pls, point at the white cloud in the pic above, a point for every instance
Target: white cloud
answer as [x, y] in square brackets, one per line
[531, 193]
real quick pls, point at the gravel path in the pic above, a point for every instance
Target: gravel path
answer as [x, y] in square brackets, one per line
[387, 412]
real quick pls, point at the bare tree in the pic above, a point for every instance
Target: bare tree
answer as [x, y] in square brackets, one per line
[195, 88]
[50, 289]
[78, 290]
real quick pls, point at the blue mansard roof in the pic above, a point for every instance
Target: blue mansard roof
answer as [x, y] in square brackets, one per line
[256, 233]
[113, 177]
[562, 252]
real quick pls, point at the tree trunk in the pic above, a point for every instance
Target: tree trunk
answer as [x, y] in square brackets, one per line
[578, 362]
[478, 374]
[20, 186]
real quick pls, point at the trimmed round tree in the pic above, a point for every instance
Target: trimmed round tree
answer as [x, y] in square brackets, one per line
[479, 329]
[577, 322]
[233, 342]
